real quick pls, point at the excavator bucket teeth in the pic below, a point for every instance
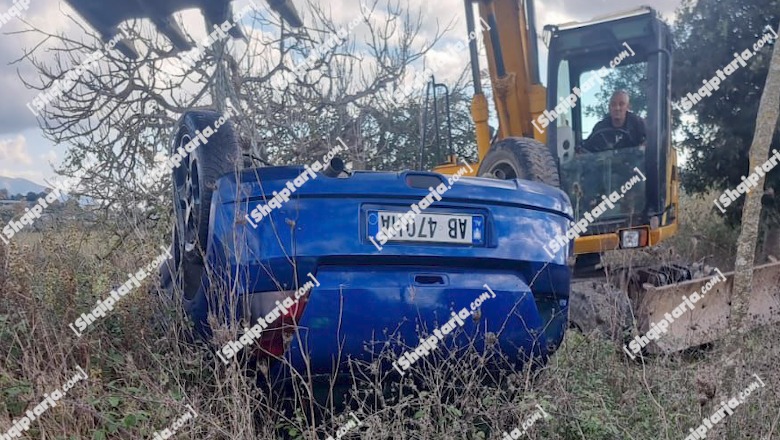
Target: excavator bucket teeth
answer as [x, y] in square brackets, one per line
[106, 19]
[710, 318]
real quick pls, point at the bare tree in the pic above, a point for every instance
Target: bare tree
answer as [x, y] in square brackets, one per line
[121, 111]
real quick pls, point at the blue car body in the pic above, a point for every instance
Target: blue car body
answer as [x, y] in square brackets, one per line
[366, 295]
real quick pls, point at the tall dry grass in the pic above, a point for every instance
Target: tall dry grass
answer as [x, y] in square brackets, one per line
[144, 366]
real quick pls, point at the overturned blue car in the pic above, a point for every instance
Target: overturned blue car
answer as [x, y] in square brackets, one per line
[302, 265]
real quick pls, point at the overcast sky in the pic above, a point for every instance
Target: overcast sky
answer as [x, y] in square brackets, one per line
[24, 152]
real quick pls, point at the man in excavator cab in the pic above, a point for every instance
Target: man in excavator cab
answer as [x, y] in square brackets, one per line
[614, 147]
[619, 129]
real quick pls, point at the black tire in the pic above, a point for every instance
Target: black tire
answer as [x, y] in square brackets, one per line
[194, 182]
[520, 158]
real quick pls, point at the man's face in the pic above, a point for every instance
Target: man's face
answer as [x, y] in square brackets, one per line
[618, 106]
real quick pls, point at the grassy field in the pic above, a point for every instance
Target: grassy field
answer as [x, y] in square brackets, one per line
[143, 367]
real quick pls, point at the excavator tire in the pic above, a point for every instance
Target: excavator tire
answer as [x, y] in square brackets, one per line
[520, 158]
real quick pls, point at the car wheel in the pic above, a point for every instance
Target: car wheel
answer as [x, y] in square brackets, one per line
[194, 182]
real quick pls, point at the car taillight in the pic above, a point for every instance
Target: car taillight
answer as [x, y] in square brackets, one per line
[277, 337]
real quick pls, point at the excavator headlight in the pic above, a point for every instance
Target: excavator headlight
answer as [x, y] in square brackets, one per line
[629, 239]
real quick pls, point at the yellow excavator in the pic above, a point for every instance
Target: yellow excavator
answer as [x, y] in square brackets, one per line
[551, 135]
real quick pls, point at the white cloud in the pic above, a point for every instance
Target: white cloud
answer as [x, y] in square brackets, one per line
[15, 151]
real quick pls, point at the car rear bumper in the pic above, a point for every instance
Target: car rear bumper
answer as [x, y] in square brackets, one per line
[355, 311]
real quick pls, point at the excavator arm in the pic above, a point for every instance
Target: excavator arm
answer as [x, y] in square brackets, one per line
[510, 41]
[512, 50]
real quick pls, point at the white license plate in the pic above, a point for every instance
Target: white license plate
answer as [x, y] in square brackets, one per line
[430, 228]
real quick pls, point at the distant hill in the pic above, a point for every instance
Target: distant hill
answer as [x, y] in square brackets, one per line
[18, 185]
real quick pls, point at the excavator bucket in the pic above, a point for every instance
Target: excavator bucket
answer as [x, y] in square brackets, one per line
[107, 19]
[710, 318]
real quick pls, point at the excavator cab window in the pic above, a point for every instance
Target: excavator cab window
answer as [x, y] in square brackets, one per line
[600, 147]
[605, 152]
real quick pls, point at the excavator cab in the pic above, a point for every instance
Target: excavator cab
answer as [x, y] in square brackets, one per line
[633, 166]
[561, 134]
